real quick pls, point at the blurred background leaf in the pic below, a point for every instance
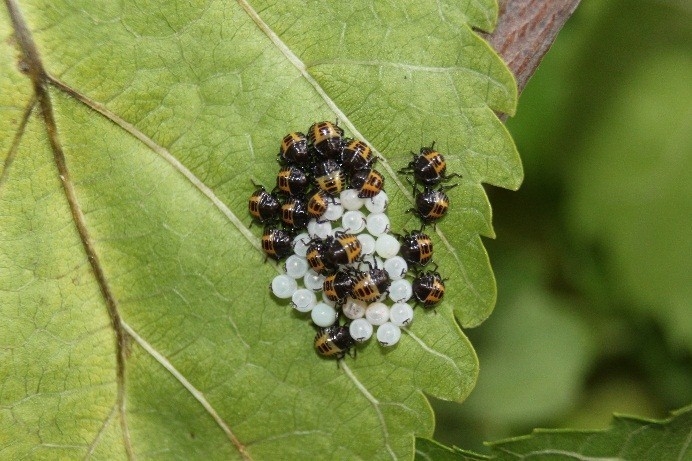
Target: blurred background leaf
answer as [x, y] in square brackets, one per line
[594, 312]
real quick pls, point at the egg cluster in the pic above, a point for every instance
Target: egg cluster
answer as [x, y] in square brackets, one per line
[327, 217]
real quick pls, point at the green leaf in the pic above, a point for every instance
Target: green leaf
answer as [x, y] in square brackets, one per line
[135, 316]
[628, 438]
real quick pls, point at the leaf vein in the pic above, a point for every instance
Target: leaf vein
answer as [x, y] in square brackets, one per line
[97, 438]
[462, 268]
[375, 404]
[432, 351]
[286, 435]
[408, 67]
[14, 147]
[196, 393]
[39, 78]
[166, 155]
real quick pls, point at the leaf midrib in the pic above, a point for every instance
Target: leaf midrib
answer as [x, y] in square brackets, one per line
[39, 79]
[123, 332]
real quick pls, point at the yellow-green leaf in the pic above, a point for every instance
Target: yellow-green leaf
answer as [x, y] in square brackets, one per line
[136, 322]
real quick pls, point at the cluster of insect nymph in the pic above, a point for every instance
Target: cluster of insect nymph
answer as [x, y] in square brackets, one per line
[314, 219]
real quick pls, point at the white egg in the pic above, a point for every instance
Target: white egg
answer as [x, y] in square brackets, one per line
[401, 314]
[377, 313]
[367, 243]
[400, 291]
[323, 315]
[319, 229]
[313, 281]
[353, 221]
[387, 246]
[301, 243]
[296, 267]
[396, 267]
[283, 286]
[350, 200]
[377, 224]
[303, 300]
[334, 211]
[388, 334]
[360, 330]
[354, 308]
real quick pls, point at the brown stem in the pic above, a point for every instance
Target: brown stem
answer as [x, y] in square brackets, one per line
[525, 31]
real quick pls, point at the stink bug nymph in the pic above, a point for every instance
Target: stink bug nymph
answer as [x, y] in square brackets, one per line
[428, 167]
[318, 203]
[431, 204]
[294, 213]
[326, 139]
[329, 177]
[356, 155]
[371, 285]
[343, 248]
[416, 248]
[276, 243]
[294, 149]
[334, 341]
[317, 257]
[368, 182]
[338, 286]
[264, 207]
[292, 180]
[428, 288]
